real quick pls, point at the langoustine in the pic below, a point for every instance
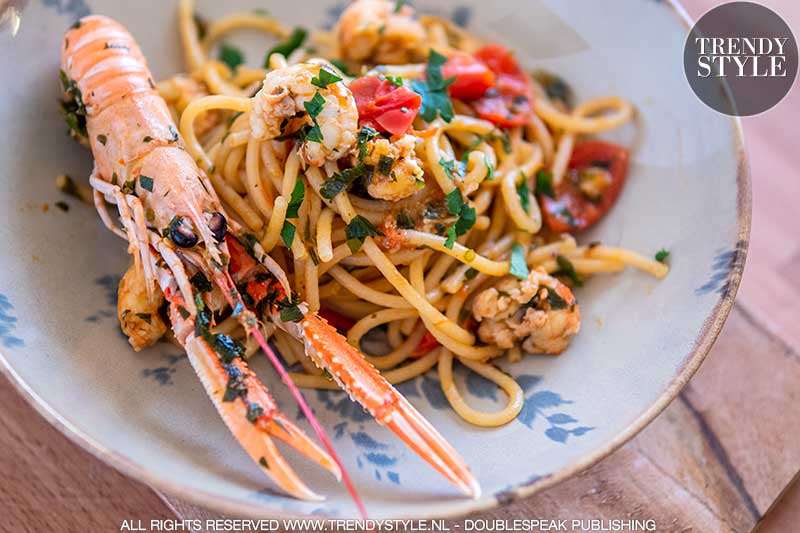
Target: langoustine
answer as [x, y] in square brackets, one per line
[177, 229]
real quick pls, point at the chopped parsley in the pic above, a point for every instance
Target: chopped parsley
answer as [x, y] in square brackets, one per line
[555, 301]
[292, 43]
[489, 169]
[324, 78]
[102, 139]
[254, 412]
[364, 136]
[200, 282]
[519, 266]
[358, 229]
[404, 221]
[228, 348]
[662, 255]
[544, 183]
[201, 25]
[342, 66]
[236, 387]
[129, 186]
[448, 166]
[290, 310]
[147, 317]
[341, 181]
[314, 108]
[435, 98]
[398, 5]
[566, 268]
[298, 193]
[287, 233]
[174, 134]
[230, 55]
[524, 193]
[454, 201]
[555, 87]
[385, 165]
[73, 108]
[147, 139]
[146, 182]
[395, 80]
[456, 205]
[470, 274]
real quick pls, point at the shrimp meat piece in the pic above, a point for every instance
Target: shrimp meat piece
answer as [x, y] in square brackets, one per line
[380, 32]
[289, 102]
[540, 311]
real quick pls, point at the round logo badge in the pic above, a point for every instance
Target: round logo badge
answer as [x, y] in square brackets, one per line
[740, 58]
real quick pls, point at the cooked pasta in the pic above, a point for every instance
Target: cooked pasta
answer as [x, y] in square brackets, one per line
[450, 225]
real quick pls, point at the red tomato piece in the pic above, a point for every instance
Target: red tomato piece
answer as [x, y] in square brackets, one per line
[385, 106]
[427, 343]
[472, 78]
[572, 209]
[335, 319]
[510, 102]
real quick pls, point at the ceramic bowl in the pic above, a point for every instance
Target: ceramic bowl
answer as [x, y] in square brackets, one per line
[147, 415]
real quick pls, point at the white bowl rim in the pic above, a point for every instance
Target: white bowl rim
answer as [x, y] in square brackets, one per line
[704, 341]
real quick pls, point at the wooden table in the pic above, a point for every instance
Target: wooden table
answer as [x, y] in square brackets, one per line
[717, 459]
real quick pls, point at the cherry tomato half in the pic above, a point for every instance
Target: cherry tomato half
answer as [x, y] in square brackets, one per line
[472, 77]
[510, 102]
[385, 106]
[592, 184]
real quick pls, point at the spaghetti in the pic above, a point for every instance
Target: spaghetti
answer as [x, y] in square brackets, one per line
[460, 226]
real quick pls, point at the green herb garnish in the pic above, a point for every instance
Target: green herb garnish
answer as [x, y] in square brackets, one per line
[358, 229]
[385, 164]
[230, 55]
[456, 205]
[555, 301]
[254, 412]
[524, 193]
[200, 282]
[287, 233]
[295, 41]
[298, 193]
[662, 255]
[519, 266]
[448, 166]
[544, 183]
[568, 269]
[435, 98]
[146, 182]
[102, 139]
[324, 78]
[404, 221]
[364, 136]
[341, 181]
[342, 66]
[395, 80]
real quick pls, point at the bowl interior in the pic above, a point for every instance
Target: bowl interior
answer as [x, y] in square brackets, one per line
[147, 414]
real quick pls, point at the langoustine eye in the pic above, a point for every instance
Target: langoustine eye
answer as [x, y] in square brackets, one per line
[182, 233]
[218, 226]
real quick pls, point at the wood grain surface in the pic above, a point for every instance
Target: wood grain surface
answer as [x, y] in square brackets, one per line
[719, 458]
